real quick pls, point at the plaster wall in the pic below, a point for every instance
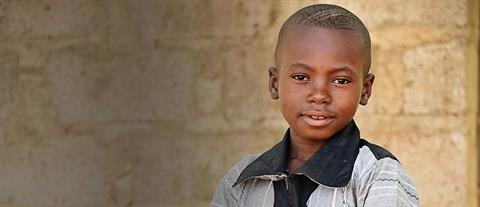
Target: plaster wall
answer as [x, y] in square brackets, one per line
[148, 103]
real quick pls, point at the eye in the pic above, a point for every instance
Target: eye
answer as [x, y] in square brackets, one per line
[341, 81]
[300, 77]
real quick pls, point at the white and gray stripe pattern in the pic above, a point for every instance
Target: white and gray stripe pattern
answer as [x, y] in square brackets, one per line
[375, 182]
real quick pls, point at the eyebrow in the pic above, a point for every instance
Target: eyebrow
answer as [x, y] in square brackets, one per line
[345, 69]
[300, 65]
[335, 70]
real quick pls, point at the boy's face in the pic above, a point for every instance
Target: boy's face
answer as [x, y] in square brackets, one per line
[320, 81]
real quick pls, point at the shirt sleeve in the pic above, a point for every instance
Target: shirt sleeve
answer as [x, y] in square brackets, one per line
[225, 195]
[389, 185]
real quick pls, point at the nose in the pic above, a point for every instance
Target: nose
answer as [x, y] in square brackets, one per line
[319, 92]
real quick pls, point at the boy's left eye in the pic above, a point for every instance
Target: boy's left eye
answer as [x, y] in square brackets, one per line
[341, 81]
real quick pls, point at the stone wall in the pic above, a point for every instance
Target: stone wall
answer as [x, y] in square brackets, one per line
[149, 102]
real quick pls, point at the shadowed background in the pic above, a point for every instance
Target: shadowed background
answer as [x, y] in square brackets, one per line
[149, 102]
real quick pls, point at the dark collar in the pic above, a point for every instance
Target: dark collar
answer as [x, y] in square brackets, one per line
[331, 165]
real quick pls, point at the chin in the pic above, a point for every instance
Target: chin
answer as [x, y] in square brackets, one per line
[316, 135]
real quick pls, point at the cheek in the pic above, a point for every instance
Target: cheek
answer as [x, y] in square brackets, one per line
[347, 100]
[291, 97]
[283, 88]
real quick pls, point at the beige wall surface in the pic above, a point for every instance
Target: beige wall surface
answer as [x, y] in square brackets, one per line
[149, 102]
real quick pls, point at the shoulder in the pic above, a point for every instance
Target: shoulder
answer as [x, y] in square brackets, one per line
[377, 151]
[372, 157]
[225, 193]
[378, 172]
[232, 175]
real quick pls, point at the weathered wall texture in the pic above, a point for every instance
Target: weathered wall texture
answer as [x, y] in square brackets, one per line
[149, 102]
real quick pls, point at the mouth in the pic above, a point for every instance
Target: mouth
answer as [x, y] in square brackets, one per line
[317, 118]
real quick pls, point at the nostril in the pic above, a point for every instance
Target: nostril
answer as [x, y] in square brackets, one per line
[319, 98]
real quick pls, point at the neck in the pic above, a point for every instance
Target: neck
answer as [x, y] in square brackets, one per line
[301, 150]
[304, 150]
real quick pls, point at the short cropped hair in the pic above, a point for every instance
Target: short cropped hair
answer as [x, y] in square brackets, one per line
[327, 16]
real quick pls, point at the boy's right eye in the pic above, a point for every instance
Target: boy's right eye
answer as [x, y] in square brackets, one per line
[300, 77]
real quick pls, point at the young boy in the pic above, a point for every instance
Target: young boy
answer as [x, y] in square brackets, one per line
[322, 74]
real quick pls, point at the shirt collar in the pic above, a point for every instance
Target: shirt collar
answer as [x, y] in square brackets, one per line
[331, 165]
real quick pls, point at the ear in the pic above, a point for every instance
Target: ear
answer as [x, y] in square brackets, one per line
[367, 89]
[273, 82]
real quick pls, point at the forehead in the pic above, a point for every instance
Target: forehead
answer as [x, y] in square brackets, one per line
[321, 47]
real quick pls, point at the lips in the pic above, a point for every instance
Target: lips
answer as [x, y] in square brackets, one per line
[316, 118]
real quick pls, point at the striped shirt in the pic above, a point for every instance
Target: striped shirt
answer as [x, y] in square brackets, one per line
[349, 172]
